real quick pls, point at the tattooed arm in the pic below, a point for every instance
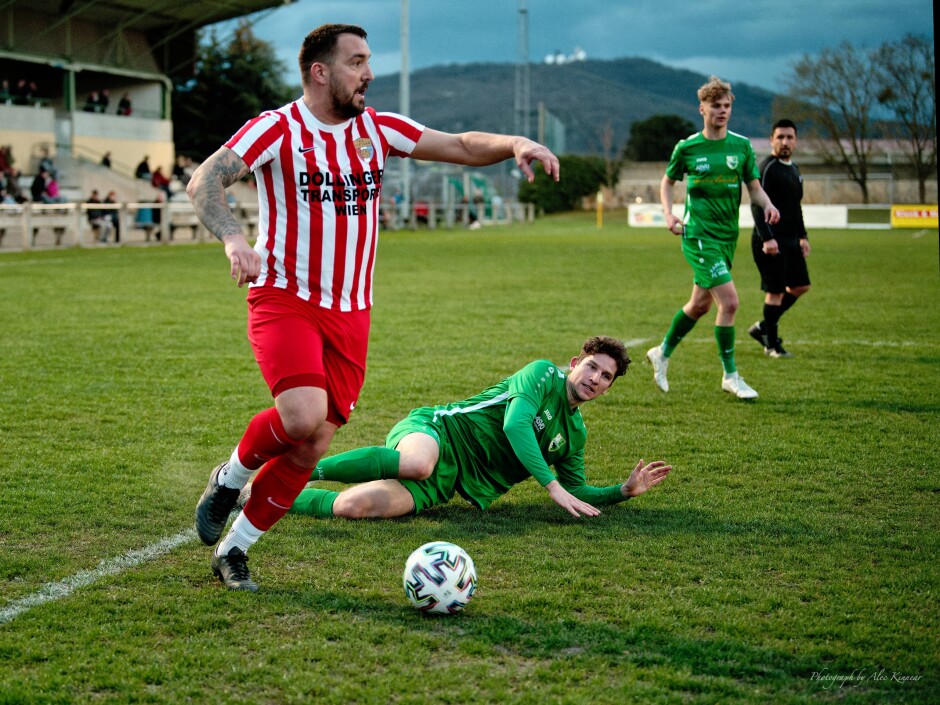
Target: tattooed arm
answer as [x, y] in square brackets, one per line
[206, 190]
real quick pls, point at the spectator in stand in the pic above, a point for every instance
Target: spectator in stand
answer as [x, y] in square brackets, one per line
[48, 164]
[45, 189]
[38, 188]
[114, 215]
[6, 159]
[13, 187]
[106, 160]
[52, 188]
[6, 95]
[98, 219]
[159, 180]
[124, 105]
[25, 92]
[91, 104]
[143, 169]
[104, 100]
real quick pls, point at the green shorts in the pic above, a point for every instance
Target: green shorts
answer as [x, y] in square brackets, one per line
[710, 259]
[439, 488]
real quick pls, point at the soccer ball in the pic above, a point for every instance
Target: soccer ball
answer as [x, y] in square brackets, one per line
[440, 578]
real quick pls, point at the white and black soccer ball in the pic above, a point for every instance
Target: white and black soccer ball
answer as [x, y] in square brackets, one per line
[440, 578]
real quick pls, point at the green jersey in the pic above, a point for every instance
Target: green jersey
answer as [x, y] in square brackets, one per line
[488, 466]
[716, 169]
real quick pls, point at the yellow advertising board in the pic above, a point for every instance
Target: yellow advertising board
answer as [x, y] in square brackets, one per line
[914, 216]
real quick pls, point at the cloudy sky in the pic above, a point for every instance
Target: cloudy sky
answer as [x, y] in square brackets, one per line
[755, 41]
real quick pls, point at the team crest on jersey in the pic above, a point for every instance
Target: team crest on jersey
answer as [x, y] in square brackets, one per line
[556, 444]
[731, 160]
[364, 148]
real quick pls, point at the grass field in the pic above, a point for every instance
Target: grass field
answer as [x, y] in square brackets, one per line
[791, 557]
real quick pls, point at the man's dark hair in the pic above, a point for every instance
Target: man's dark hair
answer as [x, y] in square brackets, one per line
[320, 44]
[784, 122]
[602, 344]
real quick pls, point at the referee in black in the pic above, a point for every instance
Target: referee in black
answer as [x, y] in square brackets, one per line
[780, 250]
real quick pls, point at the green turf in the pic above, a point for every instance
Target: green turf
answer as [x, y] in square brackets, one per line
[791, 557]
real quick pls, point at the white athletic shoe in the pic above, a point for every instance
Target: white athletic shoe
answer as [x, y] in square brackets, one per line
[660, 364]
[736, 385]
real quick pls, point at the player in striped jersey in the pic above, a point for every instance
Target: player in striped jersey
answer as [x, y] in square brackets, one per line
[483, 446]
[318, 163]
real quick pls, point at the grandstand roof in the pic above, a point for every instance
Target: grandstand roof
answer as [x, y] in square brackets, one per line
[145, 15]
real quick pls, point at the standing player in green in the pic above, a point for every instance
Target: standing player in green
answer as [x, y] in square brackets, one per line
[482, 446]
[718, 162]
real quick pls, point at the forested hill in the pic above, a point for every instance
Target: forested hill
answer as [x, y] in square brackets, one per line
[585, 95]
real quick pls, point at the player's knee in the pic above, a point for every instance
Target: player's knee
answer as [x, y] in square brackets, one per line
[697, 309]
[350, 506]
[302, 425]
[414, 468]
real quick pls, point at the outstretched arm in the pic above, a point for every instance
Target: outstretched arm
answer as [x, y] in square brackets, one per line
[483, 149]
[206, 189]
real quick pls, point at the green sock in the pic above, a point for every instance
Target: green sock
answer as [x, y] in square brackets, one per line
[315, 503]
[681, 325]
[360, 465]
[725, 337]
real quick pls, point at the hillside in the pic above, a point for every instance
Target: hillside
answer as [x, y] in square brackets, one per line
[584, 95]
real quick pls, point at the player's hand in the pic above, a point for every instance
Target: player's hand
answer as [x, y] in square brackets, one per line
[246, 264]
[804, 247]
[567, 501]
[527, 151]
[771, 247]
[771, 214]
[644, 477]
[674, 224]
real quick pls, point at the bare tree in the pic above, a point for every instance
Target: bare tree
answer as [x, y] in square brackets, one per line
[836, 93]
[908, 88]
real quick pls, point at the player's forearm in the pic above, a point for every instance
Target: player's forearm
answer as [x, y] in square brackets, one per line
[665, 195]
[485, 148]
[206, 190]
[598, 495]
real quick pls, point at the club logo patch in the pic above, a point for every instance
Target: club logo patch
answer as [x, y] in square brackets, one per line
[732, 161]
[557, 443]
[364, 148]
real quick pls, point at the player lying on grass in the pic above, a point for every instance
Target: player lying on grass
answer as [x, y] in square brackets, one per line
[482, 446]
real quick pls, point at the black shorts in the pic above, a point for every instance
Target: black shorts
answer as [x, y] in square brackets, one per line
[785, 269]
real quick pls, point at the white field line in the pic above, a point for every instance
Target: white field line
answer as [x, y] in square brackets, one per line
[111, 566]
[743, 342]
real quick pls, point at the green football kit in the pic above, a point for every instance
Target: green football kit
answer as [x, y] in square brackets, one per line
[488, 443]
[717, 169]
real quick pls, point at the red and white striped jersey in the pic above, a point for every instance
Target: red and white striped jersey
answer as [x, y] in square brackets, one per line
[319, 189]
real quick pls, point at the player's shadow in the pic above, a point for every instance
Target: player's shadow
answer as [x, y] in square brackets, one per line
[732, 667]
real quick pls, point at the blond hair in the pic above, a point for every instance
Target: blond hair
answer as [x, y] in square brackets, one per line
[714, 89]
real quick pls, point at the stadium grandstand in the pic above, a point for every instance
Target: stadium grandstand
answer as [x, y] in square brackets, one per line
[66, 66]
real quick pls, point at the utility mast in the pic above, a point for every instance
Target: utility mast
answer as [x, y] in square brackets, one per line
[521, 117]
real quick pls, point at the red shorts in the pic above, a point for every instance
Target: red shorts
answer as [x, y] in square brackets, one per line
[300, 344]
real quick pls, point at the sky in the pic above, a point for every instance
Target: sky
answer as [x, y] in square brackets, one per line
[755, 42]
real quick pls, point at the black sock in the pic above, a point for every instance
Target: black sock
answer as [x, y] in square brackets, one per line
[788, 300]
[771, 319]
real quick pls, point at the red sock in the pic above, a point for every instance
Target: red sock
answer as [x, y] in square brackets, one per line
[273, 492]
[265, 438]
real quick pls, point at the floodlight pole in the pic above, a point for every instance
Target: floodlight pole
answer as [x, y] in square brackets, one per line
[404, 107]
